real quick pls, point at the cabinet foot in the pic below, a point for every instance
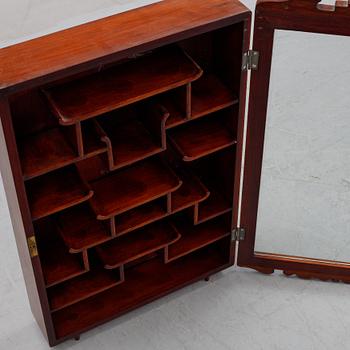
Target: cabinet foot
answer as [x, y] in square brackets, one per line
[207, 279]
[77, 337]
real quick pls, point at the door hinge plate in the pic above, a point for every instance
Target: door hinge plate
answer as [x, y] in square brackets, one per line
[238, 234]
[250, 60]
[33, 249]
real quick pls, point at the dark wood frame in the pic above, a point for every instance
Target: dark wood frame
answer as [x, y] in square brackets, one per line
[297, 15]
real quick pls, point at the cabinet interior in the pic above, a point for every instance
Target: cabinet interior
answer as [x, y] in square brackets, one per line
[129, 171]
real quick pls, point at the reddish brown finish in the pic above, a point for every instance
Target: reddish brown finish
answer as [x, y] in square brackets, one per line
[91, 139]
[300, 15]
[71, 221]
[120, 86]
[196, 237]
[82, 287]
[127, 189]
[209, 95]
[140, 216]
[56, 191]
[133, 133]
[57, 263]
[191, 192]
[141, 285]
[80, 229]
[111, 38]
[214, 34]
[214, 206]
[11, 175]
[201, 138]
[137, 244]
[39, 152]
[177, 103]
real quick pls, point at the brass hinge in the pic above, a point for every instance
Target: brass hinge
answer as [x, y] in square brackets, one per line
[33, 249]
[250, 60]
[238, 234]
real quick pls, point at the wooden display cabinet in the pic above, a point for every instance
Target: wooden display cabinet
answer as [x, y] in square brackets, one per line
[122, 149]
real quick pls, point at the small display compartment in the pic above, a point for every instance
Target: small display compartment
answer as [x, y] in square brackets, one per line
[133, 133]
[142, 283]
[205, 136]
[58, 265]
[56, 191]
[127, 189]
[137, 244]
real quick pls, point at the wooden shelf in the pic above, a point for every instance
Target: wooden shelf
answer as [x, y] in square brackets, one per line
[82, 287]
[136, 244]
[39, 153]
[56, 191]
[129, 139]
[80, 229]
[132, 187]
[200, 138]
[141, 216]
[209, 95]
[196, 237]
[191, 192]
[57, 263]
[122, 85]
[143, 283]
[92, 142]
[215, 205]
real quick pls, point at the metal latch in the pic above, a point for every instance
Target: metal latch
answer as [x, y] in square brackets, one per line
[33, 249]
[238, 234]
[250, 60]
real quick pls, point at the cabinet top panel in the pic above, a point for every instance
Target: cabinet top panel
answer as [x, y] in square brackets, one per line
[83, 47]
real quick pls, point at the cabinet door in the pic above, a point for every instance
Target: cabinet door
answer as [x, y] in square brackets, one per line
[296, 191]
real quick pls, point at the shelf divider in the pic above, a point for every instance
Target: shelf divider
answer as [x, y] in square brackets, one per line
[209, 95]
[136, 244]
[131, 135]
[215, 205]
[190, 193]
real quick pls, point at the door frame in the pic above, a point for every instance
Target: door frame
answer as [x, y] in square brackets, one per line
[295, 15]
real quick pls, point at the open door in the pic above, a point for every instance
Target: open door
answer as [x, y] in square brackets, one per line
[296, 189]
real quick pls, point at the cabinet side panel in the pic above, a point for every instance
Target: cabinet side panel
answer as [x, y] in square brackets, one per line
[21, 222]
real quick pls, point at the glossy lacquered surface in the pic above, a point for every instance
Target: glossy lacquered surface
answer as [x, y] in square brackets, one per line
[128, 206]
[114, 35]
